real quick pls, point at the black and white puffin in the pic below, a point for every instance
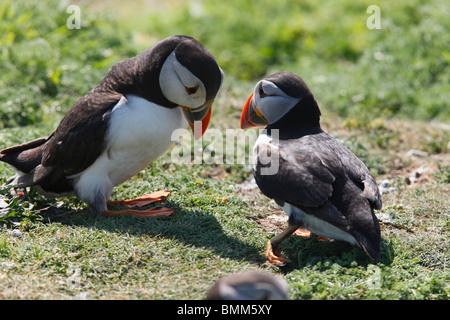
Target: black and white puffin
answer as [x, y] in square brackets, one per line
[249, 285]
[122, 125]
[320, 184]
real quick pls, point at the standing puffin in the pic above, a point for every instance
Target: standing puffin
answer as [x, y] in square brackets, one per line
[320, 184]
[122, 125]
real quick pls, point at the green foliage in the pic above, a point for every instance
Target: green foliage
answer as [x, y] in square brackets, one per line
[366, 282]
[400, 69]
[405, 69]
[443, 174]
[373, 163]
[47, 67]
[251, 37]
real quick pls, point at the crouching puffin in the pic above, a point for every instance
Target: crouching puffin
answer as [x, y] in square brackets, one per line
[122, 125]
[320, 184]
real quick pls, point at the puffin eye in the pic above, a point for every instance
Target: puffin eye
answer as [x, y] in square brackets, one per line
[261, 92]
[192, 90]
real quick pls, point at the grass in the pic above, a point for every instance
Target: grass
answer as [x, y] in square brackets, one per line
[56, 249]
[209, 235]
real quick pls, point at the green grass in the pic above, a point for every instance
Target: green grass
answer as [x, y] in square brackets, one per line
[45, 66]
[375, 107]
[360, 72]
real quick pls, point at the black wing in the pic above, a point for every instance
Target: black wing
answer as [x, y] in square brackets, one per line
[308, 169]
[80, 137]
[323, 178]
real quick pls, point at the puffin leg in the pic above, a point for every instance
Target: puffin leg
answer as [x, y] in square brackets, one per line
[304, 233]
[140, 202]
[149, 213]
[273, 253]
[143, 200]
[325, 239]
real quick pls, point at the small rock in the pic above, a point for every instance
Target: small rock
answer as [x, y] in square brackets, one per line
[420, 171]
[415, 175]
[82, 296]
[4, 212]
[3, 204]
[417, 153]
[385, 187]
[16, 233]
[385, 183]
[385, 217]
[248, 185]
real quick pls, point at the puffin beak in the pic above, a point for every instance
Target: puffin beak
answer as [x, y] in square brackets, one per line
[251, 117]
[198, 118]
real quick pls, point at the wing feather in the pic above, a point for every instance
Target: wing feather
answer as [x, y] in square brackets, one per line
[300, 178]
[80, 137]
[308, 169]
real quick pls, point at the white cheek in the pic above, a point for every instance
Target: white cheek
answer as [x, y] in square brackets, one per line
[173, 80]
[170, 84]
[274, 108]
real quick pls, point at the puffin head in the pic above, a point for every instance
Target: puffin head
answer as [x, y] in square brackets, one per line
[249, 285]
[190, 78]
[281, 97]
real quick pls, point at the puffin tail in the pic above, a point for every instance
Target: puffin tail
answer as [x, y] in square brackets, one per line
[26, 161]
[369, 237]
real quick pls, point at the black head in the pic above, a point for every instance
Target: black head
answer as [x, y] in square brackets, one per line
[290, 83]
[159, 66]
[176, 72]
[198, 60]
[179, 71]
[284, 101]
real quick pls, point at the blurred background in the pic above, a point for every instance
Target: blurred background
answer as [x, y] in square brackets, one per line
[401, 69]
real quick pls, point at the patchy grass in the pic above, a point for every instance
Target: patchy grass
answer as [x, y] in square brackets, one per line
[360, 72]
[56, 249]
[414, 226]
[221, 228]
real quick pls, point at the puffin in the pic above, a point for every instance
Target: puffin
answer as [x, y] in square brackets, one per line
[249, 285]
[320, 184]
[121, 126]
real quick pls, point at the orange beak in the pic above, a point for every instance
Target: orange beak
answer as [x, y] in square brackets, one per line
[198, 119]
[251, 117]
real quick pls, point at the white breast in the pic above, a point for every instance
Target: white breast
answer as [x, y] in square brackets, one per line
[138, 133]
[319, 226]
[263, 139]
[266, 152]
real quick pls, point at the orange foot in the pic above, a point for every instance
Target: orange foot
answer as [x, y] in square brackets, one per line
[275, 256]
[302, 233]
[140, 202]
[325, 239]
[306, 234]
